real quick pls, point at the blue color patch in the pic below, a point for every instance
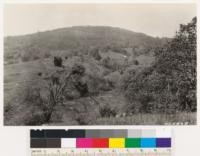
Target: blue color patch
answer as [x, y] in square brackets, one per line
[148, 142]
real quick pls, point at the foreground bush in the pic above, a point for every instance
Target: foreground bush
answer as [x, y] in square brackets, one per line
[169, 85]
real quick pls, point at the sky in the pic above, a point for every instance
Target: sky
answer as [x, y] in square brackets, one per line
[158, 20]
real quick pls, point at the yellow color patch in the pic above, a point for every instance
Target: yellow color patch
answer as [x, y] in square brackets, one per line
[116, 142]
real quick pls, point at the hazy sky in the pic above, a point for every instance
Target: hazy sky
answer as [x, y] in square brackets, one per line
[152, 19]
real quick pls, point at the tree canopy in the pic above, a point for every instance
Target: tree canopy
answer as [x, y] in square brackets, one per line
[171, 81]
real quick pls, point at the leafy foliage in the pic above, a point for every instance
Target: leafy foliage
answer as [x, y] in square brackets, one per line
[169, 85]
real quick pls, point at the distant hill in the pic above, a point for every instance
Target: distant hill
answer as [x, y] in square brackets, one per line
[78, 38]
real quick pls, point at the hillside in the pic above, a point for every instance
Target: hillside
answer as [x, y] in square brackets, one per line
[107, 76]
[71, 37]
[79, 39]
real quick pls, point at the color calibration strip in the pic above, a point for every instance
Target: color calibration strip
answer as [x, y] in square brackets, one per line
[100, 138]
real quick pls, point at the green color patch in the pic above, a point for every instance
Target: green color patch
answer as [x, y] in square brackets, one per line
[132, 142]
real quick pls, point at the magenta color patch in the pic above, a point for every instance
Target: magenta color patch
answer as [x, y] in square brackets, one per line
[83, 143]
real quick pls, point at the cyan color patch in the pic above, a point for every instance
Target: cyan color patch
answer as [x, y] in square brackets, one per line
[148, 142]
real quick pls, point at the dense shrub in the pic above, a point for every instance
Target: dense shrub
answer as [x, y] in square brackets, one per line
[106, 111]
[113, 79]
[97, 84]
[58, 61]
[25, 58]
[8, 107]
[135, 62]
[170, 83]
[94, 52]
[35, 57]
[47, 55]
[110, 64]
[34, 118]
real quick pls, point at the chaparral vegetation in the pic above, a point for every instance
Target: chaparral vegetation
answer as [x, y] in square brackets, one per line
[99, 75]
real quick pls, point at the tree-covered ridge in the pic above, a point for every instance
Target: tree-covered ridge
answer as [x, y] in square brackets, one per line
[74, 40]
